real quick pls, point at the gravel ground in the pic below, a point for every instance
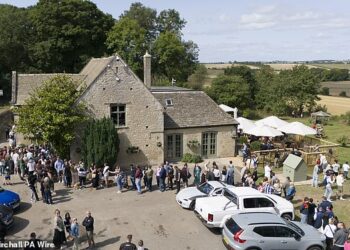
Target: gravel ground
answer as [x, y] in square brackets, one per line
[154, 217]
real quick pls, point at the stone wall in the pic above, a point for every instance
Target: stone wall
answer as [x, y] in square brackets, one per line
[144, 128]
[225, 140]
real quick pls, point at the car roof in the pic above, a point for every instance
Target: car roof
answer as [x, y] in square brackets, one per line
[216, 184]
[246, 191]
[244, 219]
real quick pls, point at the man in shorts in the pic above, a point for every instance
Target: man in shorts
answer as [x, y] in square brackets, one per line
[88, 223]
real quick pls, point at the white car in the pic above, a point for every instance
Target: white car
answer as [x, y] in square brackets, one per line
[186, 198]
[214, 211]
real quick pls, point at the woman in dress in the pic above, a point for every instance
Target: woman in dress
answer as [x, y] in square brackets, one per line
[59, 236]
[197, 174]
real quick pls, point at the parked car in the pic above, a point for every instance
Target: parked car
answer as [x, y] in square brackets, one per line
[9, 198]
[6, 215]
[214, 211]
[186, 198]
[269, 231]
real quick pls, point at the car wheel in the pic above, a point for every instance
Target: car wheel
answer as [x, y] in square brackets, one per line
[254, 248]
[192, 205]
[314, 248]
[287, 216]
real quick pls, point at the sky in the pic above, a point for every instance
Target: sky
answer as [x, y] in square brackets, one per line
[254, 30]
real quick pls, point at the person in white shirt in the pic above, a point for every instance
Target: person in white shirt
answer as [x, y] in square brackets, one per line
[329, 231]
[340, 181]
[346, 169]
[328, 190]
[216, 173]
[267, 171]
[106, 174]
[31, 166]
[336, 167]
[15, 158]
[315, 176]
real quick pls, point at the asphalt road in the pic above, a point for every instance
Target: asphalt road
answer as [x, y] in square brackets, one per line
[154, 217]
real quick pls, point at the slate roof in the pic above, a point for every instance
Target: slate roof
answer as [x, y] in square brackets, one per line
[191, 109]
[27, 83]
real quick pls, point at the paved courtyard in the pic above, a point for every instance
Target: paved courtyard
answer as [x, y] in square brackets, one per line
[153, 217]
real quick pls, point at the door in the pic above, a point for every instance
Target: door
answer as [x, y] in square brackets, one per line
[266, 238]
[287, 238]
[174, 147]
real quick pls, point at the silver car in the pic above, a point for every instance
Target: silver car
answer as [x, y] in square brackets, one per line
[267, 231]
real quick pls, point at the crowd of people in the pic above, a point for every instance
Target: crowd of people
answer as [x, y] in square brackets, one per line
[40, 169]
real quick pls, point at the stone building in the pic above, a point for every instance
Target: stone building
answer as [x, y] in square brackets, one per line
[153, 123]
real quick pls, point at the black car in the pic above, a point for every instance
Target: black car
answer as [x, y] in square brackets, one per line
[6, 215]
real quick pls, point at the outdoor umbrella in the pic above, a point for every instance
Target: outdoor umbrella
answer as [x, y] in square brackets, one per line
[271, 121]
[245, 124]
[297, 128]
[264, 131]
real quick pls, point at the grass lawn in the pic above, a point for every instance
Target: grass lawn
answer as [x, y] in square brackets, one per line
[334, 129]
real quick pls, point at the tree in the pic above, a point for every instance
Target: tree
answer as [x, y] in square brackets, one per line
[145, 17]
[67, 33]
[247, 74]
[52, 113]
[100, 142]
[230, 90]
[162, 38]
[300, 88]
[127, 38]
[174, 58]
[197, 79]
[170, 20]
[14, 39]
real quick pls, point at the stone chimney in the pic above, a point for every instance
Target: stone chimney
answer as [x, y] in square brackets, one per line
[147, 70]
[14, 87]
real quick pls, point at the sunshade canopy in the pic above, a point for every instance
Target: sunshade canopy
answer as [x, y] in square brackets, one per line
[297, 128]
[264, 131]
[245, 124]
[271, 121]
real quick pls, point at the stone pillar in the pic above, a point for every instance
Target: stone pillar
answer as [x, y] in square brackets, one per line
[147, 78]
[14, 87]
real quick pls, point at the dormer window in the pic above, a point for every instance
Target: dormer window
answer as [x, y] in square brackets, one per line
[168, 102]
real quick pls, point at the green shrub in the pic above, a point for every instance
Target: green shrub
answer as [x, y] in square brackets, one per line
[242, 140]
[190, 158]
[324, 91]
[346, 118]
[343, 140]
[343, 94]
[254, 146]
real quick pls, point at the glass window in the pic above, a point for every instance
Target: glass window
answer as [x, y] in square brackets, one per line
[265, 231]
[209, 143]
[232, 226]
[205, 188]
[232, 197]
[284, 232]
[263, 202]
[174, 146]
[118, 114]
[249, 202]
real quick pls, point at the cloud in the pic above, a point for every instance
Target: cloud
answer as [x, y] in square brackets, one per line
[286, 17]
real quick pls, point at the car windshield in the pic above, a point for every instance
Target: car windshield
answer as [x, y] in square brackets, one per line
[205, 188]
[295, 227]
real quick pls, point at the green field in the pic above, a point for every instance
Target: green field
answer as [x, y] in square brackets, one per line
[332, 66]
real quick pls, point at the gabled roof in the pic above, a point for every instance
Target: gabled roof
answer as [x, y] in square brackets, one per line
[191, 109]
[94, 68]
[27, 83]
